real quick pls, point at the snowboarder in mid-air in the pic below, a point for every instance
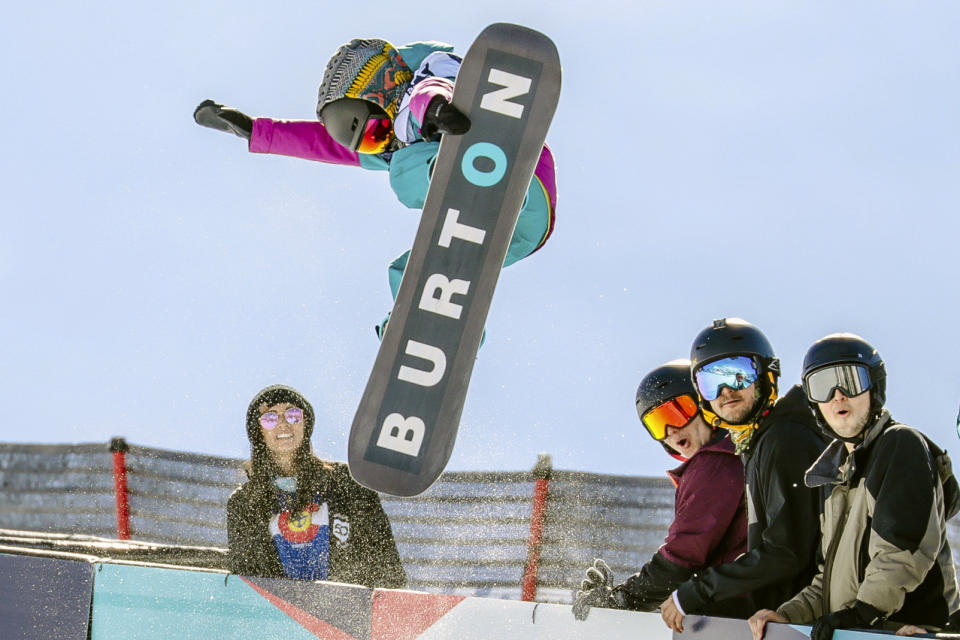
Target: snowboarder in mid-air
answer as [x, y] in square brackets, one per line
[384, 108]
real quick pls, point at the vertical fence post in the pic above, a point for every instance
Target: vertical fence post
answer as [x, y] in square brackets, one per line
[119, 448]
[541, 474]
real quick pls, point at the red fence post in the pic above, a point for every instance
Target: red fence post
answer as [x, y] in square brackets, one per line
[119, 448]
[541, 473]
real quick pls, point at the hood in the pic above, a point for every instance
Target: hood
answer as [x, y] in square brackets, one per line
[369, 69]
[829, 469]
[791, 407]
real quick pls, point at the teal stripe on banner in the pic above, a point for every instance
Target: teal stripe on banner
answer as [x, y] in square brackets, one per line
[148, 603]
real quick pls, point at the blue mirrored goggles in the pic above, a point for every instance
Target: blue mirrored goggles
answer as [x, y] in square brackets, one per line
[850, 379]
[738, 372]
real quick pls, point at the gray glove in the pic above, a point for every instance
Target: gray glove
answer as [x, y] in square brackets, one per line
[597, 590]
[216, 116]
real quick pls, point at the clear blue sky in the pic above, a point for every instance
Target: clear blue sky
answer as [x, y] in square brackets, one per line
[792, 163]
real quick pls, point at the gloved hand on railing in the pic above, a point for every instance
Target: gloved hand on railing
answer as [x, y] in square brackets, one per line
[597, 590]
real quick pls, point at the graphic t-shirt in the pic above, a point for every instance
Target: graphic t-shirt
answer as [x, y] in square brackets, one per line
[302, 539]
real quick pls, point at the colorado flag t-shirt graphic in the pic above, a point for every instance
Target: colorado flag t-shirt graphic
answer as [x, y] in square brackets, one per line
[303, 541]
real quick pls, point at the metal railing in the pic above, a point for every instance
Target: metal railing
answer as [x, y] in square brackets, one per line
[512, 535]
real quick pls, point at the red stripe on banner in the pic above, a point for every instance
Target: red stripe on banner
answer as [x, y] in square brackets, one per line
[313, 624]
[404, 615]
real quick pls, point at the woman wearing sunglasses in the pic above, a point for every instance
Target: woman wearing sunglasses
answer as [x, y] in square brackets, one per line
[383, 108]
[301, 517]
[886, 560]
[710, 521]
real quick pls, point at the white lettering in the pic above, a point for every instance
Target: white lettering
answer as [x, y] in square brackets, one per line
[453, 229]
[403, 435]
[437, 293]
[498, 101]
[419, 376]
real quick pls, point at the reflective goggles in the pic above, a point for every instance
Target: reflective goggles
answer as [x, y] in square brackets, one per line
[377, 135]
[675, 412]
[738, 372]
[850, 379]
[271, 419]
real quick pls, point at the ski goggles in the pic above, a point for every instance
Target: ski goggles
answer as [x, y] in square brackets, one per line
[738, 372]
[271, 419]
[850, 379]
[377, 135]
[675, 412]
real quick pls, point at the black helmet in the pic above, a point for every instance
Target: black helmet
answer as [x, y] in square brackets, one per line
[345, 119]
[668, 381]
[663, 383]
[838, 348]
[736, 337]
[729, 337]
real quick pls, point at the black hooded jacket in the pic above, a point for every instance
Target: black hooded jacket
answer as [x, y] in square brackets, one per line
[783, 525]
[362, 548]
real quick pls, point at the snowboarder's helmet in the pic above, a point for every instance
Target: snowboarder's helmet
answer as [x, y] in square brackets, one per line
[358, 124]
[847, 362]
[368, 71]
[737, 340]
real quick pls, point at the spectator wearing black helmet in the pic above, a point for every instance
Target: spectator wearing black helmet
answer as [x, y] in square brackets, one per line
[302, 517]
[710, 523]
[736, 374]
[885, 560]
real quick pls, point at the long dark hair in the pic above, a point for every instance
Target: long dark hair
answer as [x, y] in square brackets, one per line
[262, 469]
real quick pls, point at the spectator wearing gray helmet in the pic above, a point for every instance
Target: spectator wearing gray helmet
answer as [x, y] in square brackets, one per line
[885, 559]
[710, 523]
[736, 374]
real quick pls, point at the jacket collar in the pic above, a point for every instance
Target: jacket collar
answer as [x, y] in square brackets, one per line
[835, 465]
[719, 445]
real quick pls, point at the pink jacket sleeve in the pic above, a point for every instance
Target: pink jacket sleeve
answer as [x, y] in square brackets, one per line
[306, 139]
[410, 118]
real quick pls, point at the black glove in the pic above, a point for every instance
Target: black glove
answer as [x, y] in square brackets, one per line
[216, 116]
[648, 588]
[443, 117]
[861, 615]
[596, 590]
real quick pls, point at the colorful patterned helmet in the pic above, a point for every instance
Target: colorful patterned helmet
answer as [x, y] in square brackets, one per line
[361, 89]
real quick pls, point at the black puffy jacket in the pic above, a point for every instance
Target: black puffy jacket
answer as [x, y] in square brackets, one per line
[783, 523]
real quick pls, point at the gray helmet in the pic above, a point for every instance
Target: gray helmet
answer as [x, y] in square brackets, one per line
[365, 78]
[346, 118]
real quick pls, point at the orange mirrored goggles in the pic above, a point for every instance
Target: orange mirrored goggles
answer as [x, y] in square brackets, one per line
[377, 135]
[675, 412]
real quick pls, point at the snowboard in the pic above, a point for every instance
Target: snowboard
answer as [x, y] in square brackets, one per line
[407, 420]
